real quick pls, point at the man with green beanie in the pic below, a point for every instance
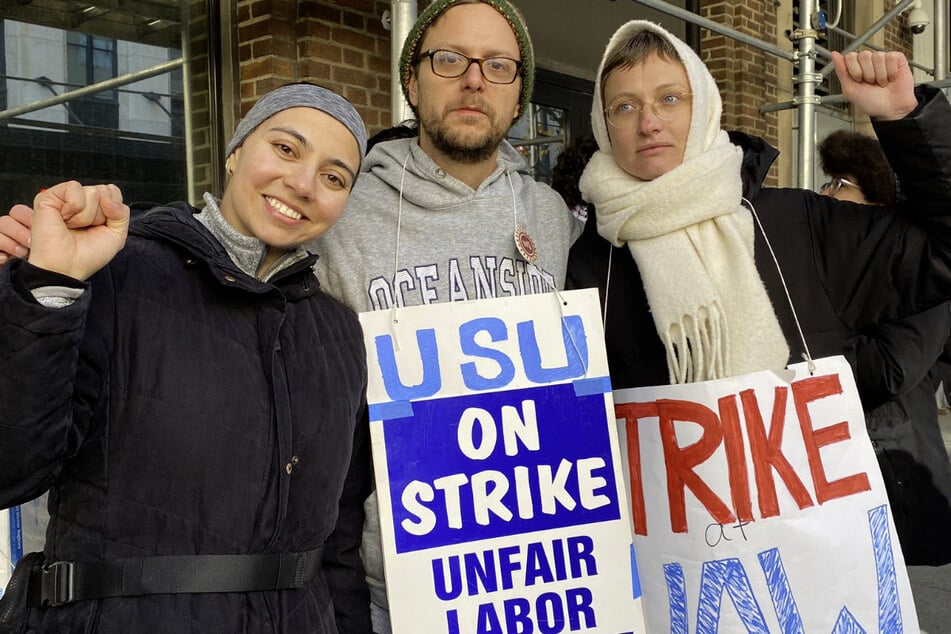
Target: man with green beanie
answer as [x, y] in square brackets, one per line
[455, 214]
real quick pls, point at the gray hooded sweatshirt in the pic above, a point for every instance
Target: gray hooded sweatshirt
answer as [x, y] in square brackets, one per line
[455, 244]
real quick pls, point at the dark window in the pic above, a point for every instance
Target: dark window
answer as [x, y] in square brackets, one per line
[832, 39]
[561, 111]
[177, 90]
[90, 60]
[3, 65]
[41, 147]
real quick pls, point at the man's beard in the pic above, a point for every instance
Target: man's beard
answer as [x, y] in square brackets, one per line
[455, 145]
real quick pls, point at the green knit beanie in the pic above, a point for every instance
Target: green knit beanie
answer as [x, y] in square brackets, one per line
[411, 46]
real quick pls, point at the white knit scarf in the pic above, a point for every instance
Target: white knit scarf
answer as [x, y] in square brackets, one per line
[692, 240]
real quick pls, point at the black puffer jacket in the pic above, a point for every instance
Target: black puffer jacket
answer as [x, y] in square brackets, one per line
[845, 267]
[897, 375]
[183, 407]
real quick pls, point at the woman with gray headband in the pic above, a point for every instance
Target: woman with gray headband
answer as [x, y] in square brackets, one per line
[190, 397]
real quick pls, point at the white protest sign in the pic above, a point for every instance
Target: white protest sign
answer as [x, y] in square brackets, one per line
[496, 454]
[6, 561]
[758, 506]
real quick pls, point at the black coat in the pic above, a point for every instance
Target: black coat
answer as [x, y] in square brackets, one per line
[180, 406]
[846, 268]
[897, 375]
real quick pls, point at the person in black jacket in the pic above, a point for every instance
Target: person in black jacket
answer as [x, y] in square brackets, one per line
[190, 397]
[897, 374]
[682, 235]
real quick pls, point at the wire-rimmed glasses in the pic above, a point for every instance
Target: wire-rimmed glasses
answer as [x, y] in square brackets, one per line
[625, 113]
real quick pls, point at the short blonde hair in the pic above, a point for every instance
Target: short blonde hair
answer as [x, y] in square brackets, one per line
[636, 49]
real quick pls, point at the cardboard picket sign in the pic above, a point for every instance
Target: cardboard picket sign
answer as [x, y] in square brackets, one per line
[758, 506]
[497, 466]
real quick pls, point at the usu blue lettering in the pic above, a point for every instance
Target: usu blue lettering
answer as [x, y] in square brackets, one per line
[573, 339]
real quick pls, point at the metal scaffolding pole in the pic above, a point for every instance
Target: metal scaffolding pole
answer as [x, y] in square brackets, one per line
[402, 16]
[825, 53]
[838, 98]
[940, 39]
[187, 102]
[806, 99]
[710, 25]
[872, 30]
[92, 89]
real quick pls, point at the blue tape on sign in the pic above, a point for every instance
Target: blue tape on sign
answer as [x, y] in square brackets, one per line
[391, 410]
[16, 535]
[597, 385]
[635, 575]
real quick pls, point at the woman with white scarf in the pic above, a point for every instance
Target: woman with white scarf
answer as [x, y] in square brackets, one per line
[690, 289]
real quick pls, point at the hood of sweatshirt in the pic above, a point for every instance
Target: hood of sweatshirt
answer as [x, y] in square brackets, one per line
[427, 185]
[412, 234]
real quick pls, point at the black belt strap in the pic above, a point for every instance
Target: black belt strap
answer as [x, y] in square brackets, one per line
[63, 582]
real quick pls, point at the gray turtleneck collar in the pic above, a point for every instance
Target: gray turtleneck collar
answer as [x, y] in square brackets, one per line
[247, 252]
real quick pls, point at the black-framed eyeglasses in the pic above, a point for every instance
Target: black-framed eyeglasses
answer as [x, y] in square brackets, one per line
[450, 64]
[833, 186]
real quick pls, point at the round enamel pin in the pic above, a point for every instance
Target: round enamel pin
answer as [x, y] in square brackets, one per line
[525, 245]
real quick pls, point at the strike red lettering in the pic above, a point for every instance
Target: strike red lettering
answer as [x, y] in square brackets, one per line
[766, 450]
[680, 461]
[736, 458]
[631, 413]
[804, 392]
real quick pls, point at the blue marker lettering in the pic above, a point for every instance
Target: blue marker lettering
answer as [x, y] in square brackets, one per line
[576, 352]
[470, 372]
[428, 355]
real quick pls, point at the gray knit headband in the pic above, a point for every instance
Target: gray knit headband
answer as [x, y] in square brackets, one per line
[300, 96]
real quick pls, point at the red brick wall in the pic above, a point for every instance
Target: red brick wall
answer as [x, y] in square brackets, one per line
[898, 37]
[202, 162]
[341, 44]
[338, 44]
[745, 75]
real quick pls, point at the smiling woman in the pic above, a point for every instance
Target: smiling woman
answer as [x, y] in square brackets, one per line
[243, 450]
[290, 180]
